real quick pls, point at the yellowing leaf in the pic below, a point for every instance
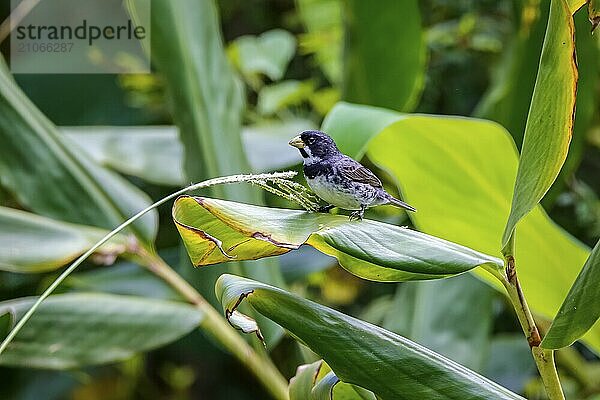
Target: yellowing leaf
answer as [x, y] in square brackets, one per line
[216, 231]
[550, 120]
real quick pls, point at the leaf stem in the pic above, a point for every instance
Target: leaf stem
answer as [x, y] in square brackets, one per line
[515, 293]
[217, 327]
[544, 359]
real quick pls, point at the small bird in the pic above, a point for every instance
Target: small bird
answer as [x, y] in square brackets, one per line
[338, 179]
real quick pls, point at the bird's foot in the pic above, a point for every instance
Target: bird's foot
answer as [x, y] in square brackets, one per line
[357, 215]
[324, 209]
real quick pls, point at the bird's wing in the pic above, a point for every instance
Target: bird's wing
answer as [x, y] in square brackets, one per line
[358, 173]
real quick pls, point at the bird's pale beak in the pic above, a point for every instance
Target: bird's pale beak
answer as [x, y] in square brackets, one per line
[297, 142]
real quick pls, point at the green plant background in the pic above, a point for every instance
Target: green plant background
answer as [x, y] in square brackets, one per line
[232, 83]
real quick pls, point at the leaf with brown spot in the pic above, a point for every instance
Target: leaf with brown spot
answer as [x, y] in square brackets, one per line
[216, 231]
[575, 5]
[550, 120]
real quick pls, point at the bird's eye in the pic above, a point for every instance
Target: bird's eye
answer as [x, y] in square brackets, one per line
[310, 140]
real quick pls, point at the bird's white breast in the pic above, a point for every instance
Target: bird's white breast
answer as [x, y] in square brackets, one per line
[338, 195]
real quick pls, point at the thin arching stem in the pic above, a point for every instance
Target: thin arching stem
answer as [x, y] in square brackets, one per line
[544, 359]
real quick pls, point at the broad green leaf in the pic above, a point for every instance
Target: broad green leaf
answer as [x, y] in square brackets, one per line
[316, 381]
[360, 353]
[353, 132]
[5, 320]
[75, 330]
[330, 387]
[550, 120]
[363, 394]
[581, 308]
[508, 99]
[297, 265]
[586, 104]
[274, 98]
[142, 151]
[122, 278]
[30, 243]
[323, 390]
[449, 316]
[208, 103]
[323, 21]
[575, 5]
[216, 231]
[267, 54]
[459, 174]
[388, 69]
[302, 383]
[51, 176]
[208, 99]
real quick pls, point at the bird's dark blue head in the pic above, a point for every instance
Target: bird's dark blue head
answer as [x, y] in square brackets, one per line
[314, 145]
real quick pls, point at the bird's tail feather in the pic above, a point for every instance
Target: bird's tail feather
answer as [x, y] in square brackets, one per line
[399, 203]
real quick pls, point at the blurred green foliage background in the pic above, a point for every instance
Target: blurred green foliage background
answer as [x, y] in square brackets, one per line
[480, 59]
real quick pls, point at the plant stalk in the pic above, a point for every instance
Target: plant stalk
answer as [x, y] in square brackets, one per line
[544, 359]
[217, 327]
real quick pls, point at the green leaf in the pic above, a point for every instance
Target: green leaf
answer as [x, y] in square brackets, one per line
[581, 308]
[216, 231]
[588, 64]
[75, 330]
[462, 190]
[323, 21]
[141, 151]
[384, 70]
[267, 54]
[323, 390]
[550, 120]
[508, 99]
[575, 5]
[122, 278]
[594, 13]
[208, 99]
[5, 321]
[330, 387]
[317, 381]
[353, 132]
[276, 97]
[304, 380]
[389, 365]
[208, 102]
[51, 176]
[30, 243]
[426, 313]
